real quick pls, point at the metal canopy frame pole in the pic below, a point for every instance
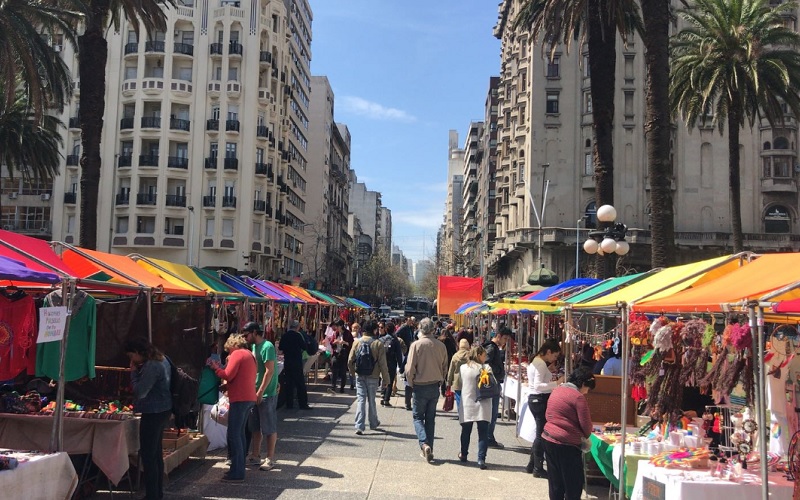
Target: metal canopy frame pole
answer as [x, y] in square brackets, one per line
[623, 309]
[756, 318]
[57, 433]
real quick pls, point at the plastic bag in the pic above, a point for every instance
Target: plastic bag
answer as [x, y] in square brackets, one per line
[449, 400]
[219, 412]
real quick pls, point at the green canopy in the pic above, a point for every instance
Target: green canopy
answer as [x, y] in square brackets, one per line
[604, 287]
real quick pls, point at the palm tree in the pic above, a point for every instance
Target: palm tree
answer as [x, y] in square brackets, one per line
[598, 23]
[92, 58]
[738, 61]
[28, 59]
[656, 18]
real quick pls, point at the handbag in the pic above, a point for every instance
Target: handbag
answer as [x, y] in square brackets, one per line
[488, 387]
[449, 400]
[219, 412]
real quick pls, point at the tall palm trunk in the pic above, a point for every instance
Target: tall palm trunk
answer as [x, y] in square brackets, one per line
[656, 17]
[602, 44]
[734, 180]
[92, 56]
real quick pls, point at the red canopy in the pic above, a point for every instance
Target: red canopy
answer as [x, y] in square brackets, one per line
[457, 290]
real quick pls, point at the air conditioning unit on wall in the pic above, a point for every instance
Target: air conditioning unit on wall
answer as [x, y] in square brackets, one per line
[13, 196]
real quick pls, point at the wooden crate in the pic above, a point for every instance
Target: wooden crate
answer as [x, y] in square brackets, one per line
[605, 401]
[171, 444]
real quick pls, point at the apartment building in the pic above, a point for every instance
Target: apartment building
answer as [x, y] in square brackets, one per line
[365, 206]
[471, 250]
[385, 231]
[450, 259]
[205, 139]
[328, 245]
[544, 132]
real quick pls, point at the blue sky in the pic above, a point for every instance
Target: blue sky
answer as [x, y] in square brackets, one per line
[403, 74]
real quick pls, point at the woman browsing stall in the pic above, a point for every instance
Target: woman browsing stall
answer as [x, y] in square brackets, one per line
[540, 384]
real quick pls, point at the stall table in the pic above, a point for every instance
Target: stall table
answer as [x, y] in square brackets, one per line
[699, 485]
[108, 443]
[42, 476]
[607, 456]
[526, 426]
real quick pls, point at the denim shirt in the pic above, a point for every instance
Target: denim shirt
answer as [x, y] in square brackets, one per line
[151, 387]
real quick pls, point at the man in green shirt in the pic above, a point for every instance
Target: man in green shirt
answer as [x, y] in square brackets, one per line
[264, 418]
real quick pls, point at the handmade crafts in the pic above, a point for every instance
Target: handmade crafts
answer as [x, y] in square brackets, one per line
[696, 458]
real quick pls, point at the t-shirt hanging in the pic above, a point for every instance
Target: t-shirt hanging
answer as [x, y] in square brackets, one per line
[17, 335]
[81, 340]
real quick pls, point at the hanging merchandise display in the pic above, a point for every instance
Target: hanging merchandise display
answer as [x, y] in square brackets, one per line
[81, 341]
[17, 333]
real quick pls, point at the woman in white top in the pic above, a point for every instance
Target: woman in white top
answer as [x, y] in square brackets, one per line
[472, 410]
[540, 385]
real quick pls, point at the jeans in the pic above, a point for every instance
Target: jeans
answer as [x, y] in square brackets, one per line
[495, 409]
[338, 372]
[295, 379]
[564, 470]
[366, 390]
[387, 394]
[458, 401]
[237, 446]
[151, 428]
[536, 462]
[483, 443]
[424, 399]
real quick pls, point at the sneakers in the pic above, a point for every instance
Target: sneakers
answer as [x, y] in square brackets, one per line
[427, 453]
[228, 479]
[359, 432]
[267, 465]
[482, 465]
[495, 444]
[228, 462]
[539, 473]
[251, 460]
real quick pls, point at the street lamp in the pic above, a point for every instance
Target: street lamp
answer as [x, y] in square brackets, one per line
[609, 240]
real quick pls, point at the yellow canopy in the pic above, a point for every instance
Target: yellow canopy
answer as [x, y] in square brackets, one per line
[666, 282]
[177, 273]
[532, 306]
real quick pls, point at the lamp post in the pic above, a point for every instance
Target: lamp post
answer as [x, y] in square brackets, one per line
[609, 240]
[578, 247]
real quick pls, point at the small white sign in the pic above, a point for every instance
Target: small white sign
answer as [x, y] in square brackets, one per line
[52, 322]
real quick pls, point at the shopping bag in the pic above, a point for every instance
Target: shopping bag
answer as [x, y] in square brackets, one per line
[449, 400]
[219, 412]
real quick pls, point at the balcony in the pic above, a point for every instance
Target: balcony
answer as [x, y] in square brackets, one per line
[214, 88]
[778, 185]
[211, 163]
[262, 131]
[235, 49]
[75, 122]
[70, 198]
[175, 200]
[232, 125]
[182, 88]
[178, 162]
[228, 202]
[126, 123]
[212, 125]
[73, 160]
[233, 88]
[215, 49]
[146, 199]
[268, 210]
[209, 201]
[151, 122]
[154, 46]
[122, 199]
[265, 57]
[153, 85]
[259, 206]
[124, 161]
[131, 48]
[148, 160]
[184, 48]
[179, 124]
[263, 168]
[231, 164]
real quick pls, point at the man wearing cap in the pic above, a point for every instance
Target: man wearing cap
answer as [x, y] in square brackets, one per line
[496, 359]
[292, 345]
[264, 417]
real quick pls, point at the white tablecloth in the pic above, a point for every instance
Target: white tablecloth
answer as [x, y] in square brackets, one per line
[41, 477]
[699, 485]
[526, 426]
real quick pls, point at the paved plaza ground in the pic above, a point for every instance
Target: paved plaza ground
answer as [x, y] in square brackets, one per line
[319, 457]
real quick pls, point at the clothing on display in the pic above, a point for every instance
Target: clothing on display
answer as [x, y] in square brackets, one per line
[17, 334]
[81, 340]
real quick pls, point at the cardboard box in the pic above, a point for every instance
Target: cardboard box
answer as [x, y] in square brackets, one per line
[171, 444]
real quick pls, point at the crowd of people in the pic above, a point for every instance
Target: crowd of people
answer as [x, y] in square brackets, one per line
[426, 359]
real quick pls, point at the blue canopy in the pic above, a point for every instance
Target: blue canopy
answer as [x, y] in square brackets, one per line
[565, 288]
[15, 270]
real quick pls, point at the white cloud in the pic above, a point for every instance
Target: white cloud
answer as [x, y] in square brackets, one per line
[373, 110]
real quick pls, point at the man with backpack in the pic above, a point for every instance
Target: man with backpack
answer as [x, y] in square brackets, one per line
[496, 358]
[368, 363]
[394, 356]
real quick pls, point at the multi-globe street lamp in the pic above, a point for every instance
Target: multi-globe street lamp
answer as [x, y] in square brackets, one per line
[608, 240]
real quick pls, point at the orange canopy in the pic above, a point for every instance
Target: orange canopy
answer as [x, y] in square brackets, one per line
[301, 293]
[122, 269]
[753, 281]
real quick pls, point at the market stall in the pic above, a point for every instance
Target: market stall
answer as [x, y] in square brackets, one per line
[37, 475]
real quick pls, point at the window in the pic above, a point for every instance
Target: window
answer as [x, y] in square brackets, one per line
[233, 73]
[187, 37]
[629, 67]
[780, 143]
[588, 164]
[71, 224]
[230, 189]
[230, 150]
[233, 112]
[227, 228]
[587, 102]
[628, 104]
[259, 155]
[133, 37]
[553, 67]
[130, 72]
[591, 215]
[552, 103]
[122, 224]
[213, 150]
[777, 220]
[209, 226]
[586, 71]
[173, 226]
[145, 225]
[215, 113]
[257, 231]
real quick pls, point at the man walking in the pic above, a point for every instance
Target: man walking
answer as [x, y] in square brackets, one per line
[406, 334]
[341, 353]
[394, 356]
[264, 417]
[496, 358]
[292, 345]
[368, 362]
[426, 368]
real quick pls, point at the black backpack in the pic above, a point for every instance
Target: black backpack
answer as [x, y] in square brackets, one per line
[389, 343]
[183, 388]
[365, 363]
[312, 346]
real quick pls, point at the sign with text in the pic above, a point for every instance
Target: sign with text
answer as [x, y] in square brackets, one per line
[52, 322]
[653, 490]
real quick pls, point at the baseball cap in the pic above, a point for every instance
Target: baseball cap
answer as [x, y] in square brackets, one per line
[252, 326]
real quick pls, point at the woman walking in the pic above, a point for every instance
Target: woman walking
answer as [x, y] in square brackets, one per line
[473, 410]
[454, 372]
[240, 374]
[540, 385]
[150, 377]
